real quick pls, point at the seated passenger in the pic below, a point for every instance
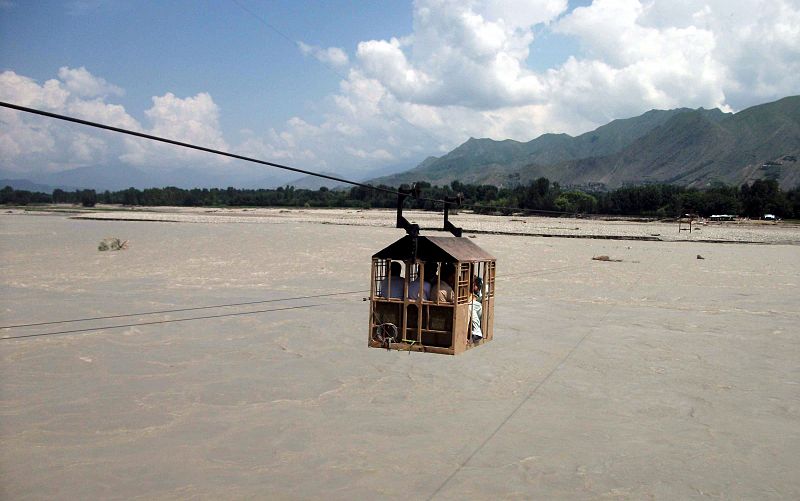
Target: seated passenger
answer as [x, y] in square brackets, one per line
[443, 289]
[413, 289]
[392, 286]
[479, 284]
[476, 311]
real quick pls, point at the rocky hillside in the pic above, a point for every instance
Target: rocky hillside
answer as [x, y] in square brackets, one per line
[682, 146]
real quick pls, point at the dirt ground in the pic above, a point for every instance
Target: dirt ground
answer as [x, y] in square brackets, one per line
[662, 376]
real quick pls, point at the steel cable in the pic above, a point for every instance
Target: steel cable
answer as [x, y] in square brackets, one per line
[207, 150]
[74, 331]
[105, 317]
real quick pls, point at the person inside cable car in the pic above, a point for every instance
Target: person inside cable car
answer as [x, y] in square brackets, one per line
[476, 310]
[477, 288]
[392, 287]
[431, 280]
[443, 289]
[413, 289]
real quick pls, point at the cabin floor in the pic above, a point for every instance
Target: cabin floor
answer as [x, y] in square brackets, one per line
[660, 376]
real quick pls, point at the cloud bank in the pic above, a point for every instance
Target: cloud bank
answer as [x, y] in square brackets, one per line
[466, 69]
[30, 140]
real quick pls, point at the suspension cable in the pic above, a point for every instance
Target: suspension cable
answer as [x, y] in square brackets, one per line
[143, 313]
[205, 149]
[545, 271]
[205, 317]
[151, 137]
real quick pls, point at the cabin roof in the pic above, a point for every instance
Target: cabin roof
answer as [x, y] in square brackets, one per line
[435, 249]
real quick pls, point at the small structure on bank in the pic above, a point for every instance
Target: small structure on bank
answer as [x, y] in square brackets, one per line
[433, 294]
[686, 221]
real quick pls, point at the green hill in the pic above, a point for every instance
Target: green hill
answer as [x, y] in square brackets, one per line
[682, 146]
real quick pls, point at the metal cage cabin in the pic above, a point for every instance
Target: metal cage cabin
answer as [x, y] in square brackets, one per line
[423, 297]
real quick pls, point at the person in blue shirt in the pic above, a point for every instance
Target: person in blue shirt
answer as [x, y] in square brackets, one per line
[392, 286]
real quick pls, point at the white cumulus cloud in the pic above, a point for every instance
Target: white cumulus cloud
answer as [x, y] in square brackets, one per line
[79, 82]
[463, 70]
[332, 56]
[192, 120]
[462, 54]
[29, 142]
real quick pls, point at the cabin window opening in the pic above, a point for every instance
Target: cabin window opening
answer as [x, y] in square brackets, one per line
[442, 291]
[413, 270]
[420, 277]
[438, 287]
[380, 272]
[481, 274]
[412, 324]
[386, 283]
[489, 282]
[463, 283]
[476, 271]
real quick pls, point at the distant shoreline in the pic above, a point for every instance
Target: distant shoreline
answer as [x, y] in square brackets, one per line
[622, 228]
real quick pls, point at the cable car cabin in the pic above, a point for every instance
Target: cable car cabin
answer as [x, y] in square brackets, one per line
[431, 294]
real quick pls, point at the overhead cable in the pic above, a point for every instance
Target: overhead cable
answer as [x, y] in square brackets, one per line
[545, 271]
[106, 317]
[203, 148]
[75, 331]
[530, 395]
[262, 162]
[258, 161]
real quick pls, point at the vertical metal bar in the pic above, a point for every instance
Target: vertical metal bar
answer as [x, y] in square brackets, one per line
[387, 293]
[405, 318]
[420, 293]
[405, 280]
[438, 282]
[372, 302]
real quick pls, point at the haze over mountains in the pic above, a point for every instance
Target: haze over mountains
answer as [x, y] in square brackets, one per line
[686, 147]
[120, 176]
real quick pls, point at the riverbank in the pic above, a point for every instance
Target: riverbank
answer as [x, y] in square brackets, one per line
[754, 232]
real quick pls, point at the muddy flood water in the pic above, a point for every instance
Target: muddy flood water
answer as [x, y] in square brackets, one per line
[661, 376]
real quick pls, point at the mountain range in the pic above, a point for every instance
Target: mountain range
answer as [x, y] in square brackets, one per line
[119, 176]
[686, 147]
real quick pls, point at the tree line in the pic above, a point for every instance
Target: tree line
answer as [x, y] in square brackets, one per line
[656, 200]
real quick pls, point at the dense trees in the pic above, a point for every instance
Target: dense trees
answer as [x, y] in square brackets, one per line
[576, 201]
[764, 197]
[753, 200]
[88, 198]
[8, 195]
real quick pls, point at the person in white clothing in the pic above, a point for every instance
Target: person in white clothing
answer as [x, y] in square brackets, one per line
[476, 311]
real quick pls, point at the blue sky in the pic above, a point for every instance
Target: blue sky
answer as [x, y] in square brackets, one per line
[188, 47]
[410, 79]
[241, 52]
